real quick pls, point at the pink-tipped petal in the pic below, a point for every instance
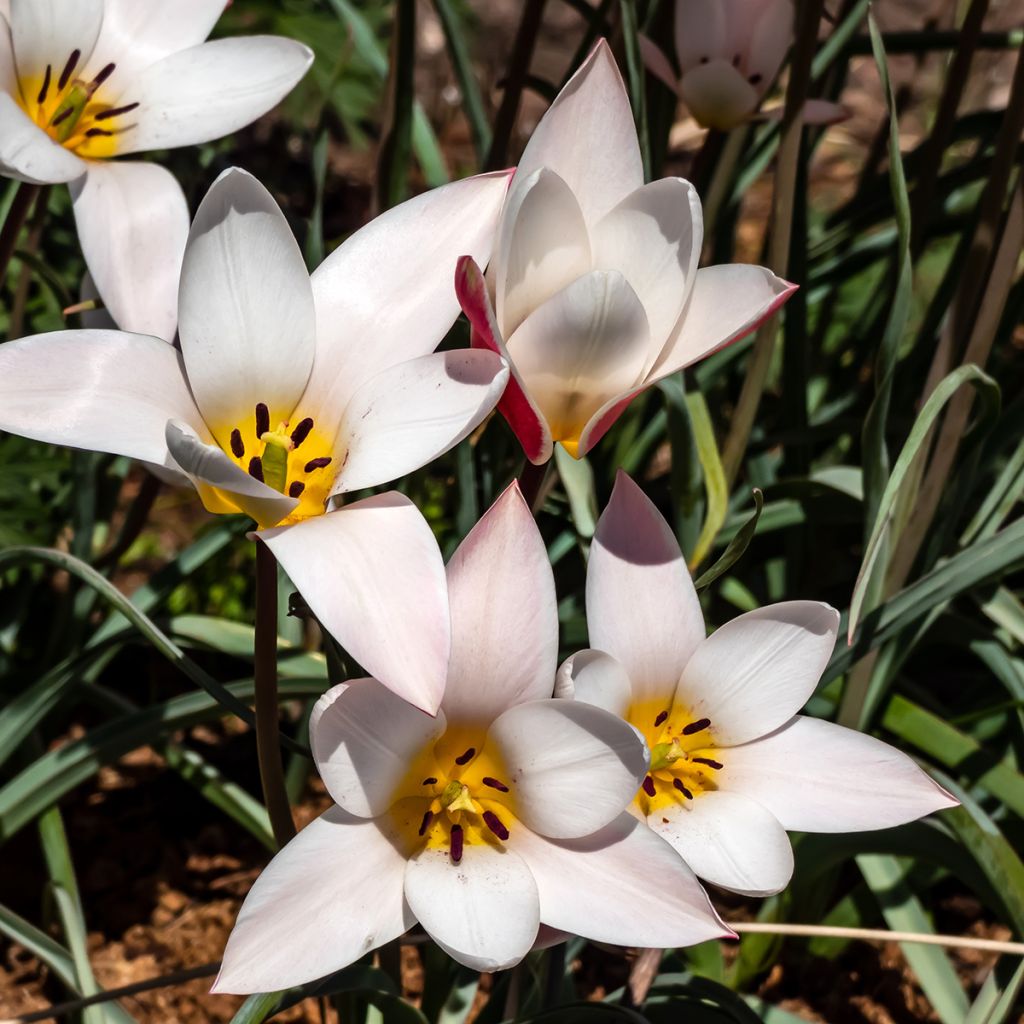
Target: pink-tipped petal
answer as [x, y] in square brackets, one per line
[373, 575]
[658, 64]
[755, 672]
[594, 677]
[504, 615]
[641, 604]
[818, 777]
[328, 898]
[515, 405]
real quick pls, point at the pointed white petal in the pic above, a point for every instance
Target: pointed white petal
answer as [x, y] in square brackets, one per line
[544, 246]
[138, 33]
[594, 677]
[132, 221]
[726, 304]
[622, 885]
[373, 575]
[329, 897]
[588, 138]
[48, 32]
[755, 672]
[654, 238]
[365, 741]
[483, 912]
[573, 767]
[209, 91]
[207, 464]
[585, 345]
[28, 154]
[246, 307]
[385, 295]
[641, 604]
[701, 32]
[818, 777]
[8, 71]
[729, 840]
[718, 95]
[504, 615]
[98, 390]
[409, 414]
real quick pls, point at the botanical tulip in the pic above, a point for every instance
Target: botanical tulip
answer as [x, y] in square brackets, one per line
[732, 763]
[82, 81]
[594, 292]
[502, 813]
[730, 52]
[287, 391]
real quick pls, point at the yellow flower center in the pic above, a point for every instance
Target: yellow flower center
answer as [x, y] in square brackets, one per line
[74, 112]
[684, 759]
[457, 795]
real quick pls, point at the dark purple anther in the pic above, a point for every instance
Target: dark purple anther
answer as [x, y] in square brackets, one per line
[661, 719]
[682, 789]
[237, 447]
[301, 432]
[466, 757]
[456, 841]
[429, 782]
[707, 760]
[69, 69]
[296, 488]
[256, 468]
[44, 91]
[105, 115]
[425, 824]
[315, 464]
[495, 784]
[648, 785]
[104, 74]
[494, 823]
[262, 419]
[699, 726]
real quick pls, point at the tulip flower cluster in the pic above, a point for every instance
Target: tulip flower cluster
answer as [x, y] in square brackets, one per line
[479, 790]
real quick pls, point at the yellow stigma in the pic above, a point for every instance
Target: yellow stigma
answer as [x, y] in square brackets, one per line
[665, 754]
[275, 457]
[456, 797]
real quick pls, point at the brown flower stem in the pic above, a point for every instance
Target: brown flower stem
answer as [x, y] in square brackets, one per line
[15, 221]
[268, 739]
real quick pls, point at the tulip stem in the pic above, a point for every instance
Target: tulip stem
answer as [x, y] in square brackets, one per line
[268, 738]
[531, 484]
[15, 221]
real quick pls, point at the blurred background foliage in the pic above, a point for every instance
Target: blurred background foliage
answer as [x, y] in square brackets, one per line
[889, 471]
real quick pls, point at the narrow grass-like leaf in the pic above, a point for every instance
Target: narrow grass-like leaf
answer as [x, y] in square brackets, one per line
[714, 476]
[396, 147]
[993, 1004]
[737, 546]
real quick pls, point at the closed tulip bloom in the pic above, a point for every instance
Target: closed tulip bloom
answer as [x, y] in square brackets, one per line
[730, 52]
[733, 766]
[287, 391]
[502, 813]
[594, 293]
[82, 81]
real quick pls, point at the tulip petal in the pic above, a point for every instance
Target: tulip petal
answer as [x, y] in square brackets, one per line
[248, 327]
[138, 33]
[730, 841]
[329, 897]
[525, 419]
[409, 414]
[365, 740]
[385, 295]
[726, 304]
[588, 138]
[133, 222]
[8, 72]
[824, 112]
[28, 154]
[770, 37]
[209, 91]
[641, 604]
[701, 31]
[98, 390]
[658, 64]
[574, 767]
[654, 236]
[373, 575]
[718, 95]
[580, 349]
[818, 777]
[755, 672]
[235, 490]
[594, 677]
[544, 246]
[595, 887]
[504, 615]
[483, 912]
[47, 32]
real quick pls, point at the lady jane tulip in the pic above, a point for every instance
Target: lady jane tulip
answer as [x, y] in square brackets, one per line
[732, 763]
[594, 282]
[503, 812]
[82, 81]
[730, 52]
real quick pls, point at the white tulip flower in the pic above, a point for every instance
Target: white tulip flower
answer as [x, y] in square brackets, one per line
[730, 53]
[733, 766]
[594, 294]
[82, 81]
[503, 813]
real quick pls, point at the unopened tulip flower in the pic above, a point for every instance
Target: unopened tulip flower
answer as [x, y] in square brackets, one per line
[287, 391]
[504, 812]
[730, 52]
[82, 81]
[733, 766]
[594, 293]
